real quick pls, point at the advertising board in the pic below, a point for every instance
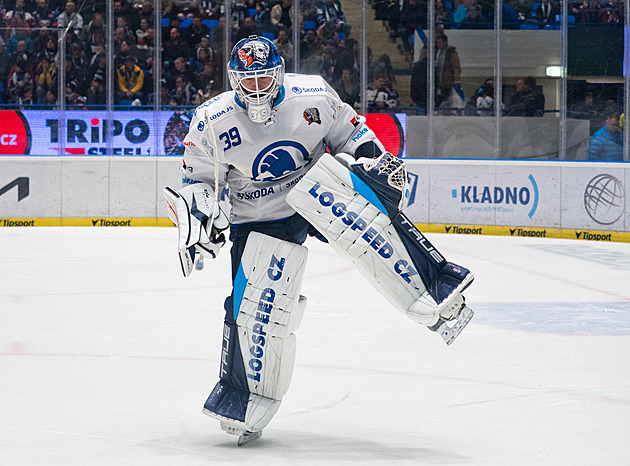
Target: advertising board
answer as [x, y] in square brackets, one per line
[86, 133]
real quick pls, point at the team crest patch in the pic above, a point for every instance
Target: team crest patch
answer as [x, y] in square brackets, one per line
[255, 52]
[311, 115]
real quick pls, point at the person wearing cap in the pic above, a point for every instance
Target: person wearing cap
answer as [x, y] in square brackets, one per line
[607, 143]
[96, 98]
[130, 80]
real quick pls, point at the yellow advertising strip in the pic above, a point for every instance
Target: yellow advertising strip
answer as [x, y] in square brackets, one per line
[85, 222]
[583, 235]
[564, 233]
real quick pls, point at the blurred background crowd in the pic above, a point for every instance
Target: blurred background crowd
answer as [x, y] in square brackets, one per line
[193, 61]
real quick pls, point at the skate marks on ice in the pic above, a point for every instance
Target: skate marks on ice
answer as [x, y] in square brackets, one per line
[572, 319]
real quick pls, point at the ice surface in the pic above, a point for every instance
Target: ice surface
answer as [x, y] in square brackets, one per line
[107, 354]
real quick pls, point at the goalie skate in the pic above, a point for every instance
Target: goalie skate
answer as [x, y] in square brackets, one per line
[248, 436]
[449, 330]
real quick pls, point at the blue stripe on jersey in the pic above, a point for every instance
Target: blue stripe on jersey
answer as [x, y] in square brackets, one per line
[364, 190]
[240, 282]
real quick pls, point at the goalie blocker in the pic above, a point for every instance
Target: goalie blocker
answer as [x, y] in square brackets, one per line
[359, 211]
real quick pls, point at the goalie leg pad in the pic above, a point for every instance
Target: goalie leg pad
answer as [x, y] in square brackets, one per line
[386, 247]
[259, 348]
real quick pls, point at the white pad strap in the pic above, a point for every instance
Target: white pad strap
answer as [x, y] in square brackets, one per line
[360, 230]
[268, 309]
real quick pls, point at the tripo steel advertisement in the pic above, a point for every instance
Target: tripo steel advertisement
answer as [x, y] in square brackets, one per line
[85, 133]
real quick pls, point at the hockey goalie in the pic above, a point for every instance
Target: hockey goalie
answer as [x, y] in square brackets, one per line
[268, 141]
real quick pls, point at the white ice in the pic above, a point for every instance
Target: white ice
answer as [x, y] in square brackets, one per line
[107, 354]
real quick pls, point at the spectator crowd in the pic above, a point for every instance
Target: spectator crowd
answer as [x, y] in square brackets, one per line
[192, 49]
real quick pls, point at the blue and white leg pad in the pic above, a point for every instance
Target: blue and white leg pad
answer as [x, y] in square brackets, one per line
[358, 212]
[258, 351]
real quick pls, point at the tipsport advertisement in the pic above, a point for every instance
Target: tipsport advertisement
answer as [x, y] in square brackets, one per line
[86, 133]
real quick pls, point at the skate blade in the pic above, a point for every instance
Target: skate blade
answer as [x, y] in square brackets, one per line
[450, 333]
[248, 436]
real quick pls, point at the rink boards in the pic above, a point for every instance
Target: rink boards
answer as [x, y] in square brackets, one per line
[578, 200]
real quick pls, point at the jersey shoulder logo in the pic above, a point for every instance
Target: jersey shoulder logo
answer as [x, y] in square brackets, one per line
[279, 159]
[311, 115]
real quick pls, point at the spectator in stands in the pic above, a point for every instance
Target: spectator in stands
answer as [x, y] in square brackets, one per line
[381, 96]
[247, 29]
[98, 65]
[17, 31]
[74, 99]
[20, 81]
[216, 36]
[49, 51]
[537, 96]
[203, 55]
[188, 6]
[508, 15]
[43, 16]
[462, 10]
[22, 53]
[209, 83]
[588, 109]
[383, 67]
[443, 16]
[473, 19]
[130, 16]
[281, 16]
[130, 80]
[262, 18]
[96, 97]
[45, 78]
[285, 48]
[447, 73]
[591, 13]
[345, 58]
[193, 33]
[20, 10]
[142, 31]
[330, 12]
[147, 44]
[546, 12]
[175, 47]
[72, 18]
[481, 103]
[95, 26]
[348, 87]
[414, 15]
[523, 9]
[180, 68]
[607, 143]
[183, 92]
[527, 101]
[51, 100]
[146, 12]
[310, 45]
[4, 65]
[419, 83]
[239, 13]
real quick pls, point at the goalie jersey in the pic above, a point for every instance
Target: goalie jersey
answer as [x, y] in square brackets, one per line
[261, 162]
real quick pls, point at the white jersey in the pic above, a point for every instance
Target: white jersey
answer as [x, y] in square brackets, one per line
[261, 162]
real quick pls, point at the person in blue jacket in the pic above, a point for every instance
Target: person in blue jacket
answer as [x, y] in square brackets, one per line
[607, 142]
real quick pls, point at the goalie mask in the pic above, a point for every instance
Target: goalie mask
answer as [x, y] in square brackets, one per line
[256, 72]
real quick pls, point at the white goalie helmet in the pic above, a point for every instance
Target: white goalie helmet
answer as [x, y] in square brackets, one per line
[256, 72]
